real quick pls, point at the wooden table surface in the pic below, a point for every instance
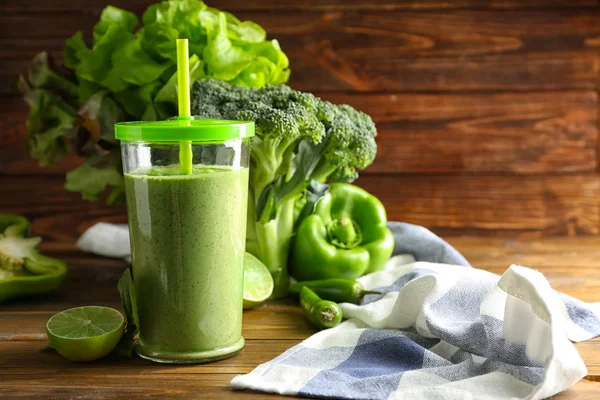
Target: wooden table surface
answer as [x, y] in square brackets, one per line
[572, 265]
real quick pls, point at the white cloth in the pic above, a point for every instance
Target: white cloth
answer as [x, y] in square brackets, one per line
[109, 240]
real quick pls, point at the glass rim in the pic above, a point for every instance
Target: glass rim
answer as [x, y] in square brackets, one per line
[184, 128]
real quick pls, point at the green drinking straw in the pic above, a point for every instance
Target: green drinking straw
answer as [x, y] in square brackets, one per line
[183, 100]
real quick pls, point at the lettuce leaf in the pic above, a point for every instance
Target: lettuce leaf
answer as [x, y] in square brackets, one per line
[125, 71]
[92, 182]
[72, 46]
[112, 16]
[165, 101]
[157, 40]
[96, 64]
[44, 73]
[135, 66]
[48, 120]
[136, 100]
[224, 61]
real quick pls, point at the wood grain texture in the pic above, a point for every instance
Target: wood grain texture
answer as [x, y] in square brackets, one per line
[569, 263]
[450, 51]
[326, 5]
[68, 385]
[255, 351]
[182, 386]
[270, 330]
[487, 112]
[509, 133]
[384, 50]
[57, 374]
[277, 321]
[498, 205]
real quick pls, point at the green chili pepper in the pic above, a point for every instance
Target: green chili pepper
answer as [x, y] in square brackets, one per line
[345, 237]
[24, 271]
[338, 290]
[321, 313]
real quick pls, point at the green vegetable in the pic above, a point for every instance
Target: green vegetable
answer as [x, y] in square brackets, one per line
[321, 313]
[301, 141]
[127, 71]
[132, 323]
[50, 117]
[338, 290]
[14, 225]
[346, 236]
[24, 271]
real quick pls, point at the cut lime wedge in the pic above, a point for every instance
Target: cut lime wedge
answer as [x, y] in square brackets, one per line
[85, 333]
[258, 283]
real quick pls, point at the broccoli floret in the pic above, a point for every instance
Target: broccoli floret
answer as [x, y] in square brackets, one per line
[350, 144]
[299, 138]
[282, 118]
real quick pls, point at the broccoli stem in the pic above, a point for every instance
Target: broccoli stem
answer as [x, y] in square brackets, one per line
[272, 243]
[271, 159]
[322, 171]
[262, 176]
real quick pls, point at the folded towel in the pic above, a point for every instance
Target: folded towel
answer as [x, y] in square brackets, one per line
[439, 331]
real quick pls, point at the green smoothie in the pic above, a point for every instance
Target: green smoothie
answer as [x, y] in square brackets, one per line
[187, 239]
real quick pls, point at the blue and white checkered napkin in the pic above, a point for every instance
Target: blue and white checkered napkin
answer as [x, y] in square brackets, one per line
[440, 331]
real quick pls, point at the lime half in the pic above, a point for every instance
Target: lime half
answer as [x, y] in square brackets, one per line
[258, 283]
[85, 333]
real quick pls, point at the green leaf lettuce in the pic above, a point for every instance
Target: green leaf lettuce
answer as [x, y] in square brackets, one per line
[126, 71]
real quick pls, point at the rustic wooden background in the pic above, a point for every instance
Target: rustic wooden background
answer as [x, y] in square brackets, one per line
[487, 110]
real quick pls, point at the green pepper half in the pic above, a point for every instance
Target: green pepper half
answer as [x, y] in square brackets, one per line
[346, 236]
[24, 271]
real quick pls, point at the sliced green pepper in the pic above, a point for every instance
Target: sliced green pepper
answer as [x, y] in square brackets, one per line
[338, 290]
[346, 236]
[14, 225]
[321, 313]
[24, 271]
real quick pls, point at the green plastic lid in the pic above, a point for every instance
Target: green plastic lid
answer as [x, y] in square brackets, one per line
[190, 129]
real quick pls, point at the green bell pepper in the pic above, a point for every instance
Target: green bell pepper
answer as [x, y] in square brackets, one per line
[24, 271]
[345, 237]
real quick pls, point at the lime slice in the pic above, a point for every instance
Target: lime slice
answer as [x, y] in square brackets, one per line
[85, 333]
[258, 283]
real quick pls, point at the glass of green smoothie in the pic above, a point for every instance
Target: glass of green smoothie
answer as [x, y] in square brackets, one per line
[186, 182]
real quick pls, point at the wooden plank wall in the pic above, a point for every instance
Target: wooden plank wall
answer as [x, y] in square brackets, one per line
[487, 110]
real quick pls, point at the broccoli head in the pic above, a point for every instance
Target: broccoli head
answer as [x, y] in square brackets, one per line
[299, 138]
